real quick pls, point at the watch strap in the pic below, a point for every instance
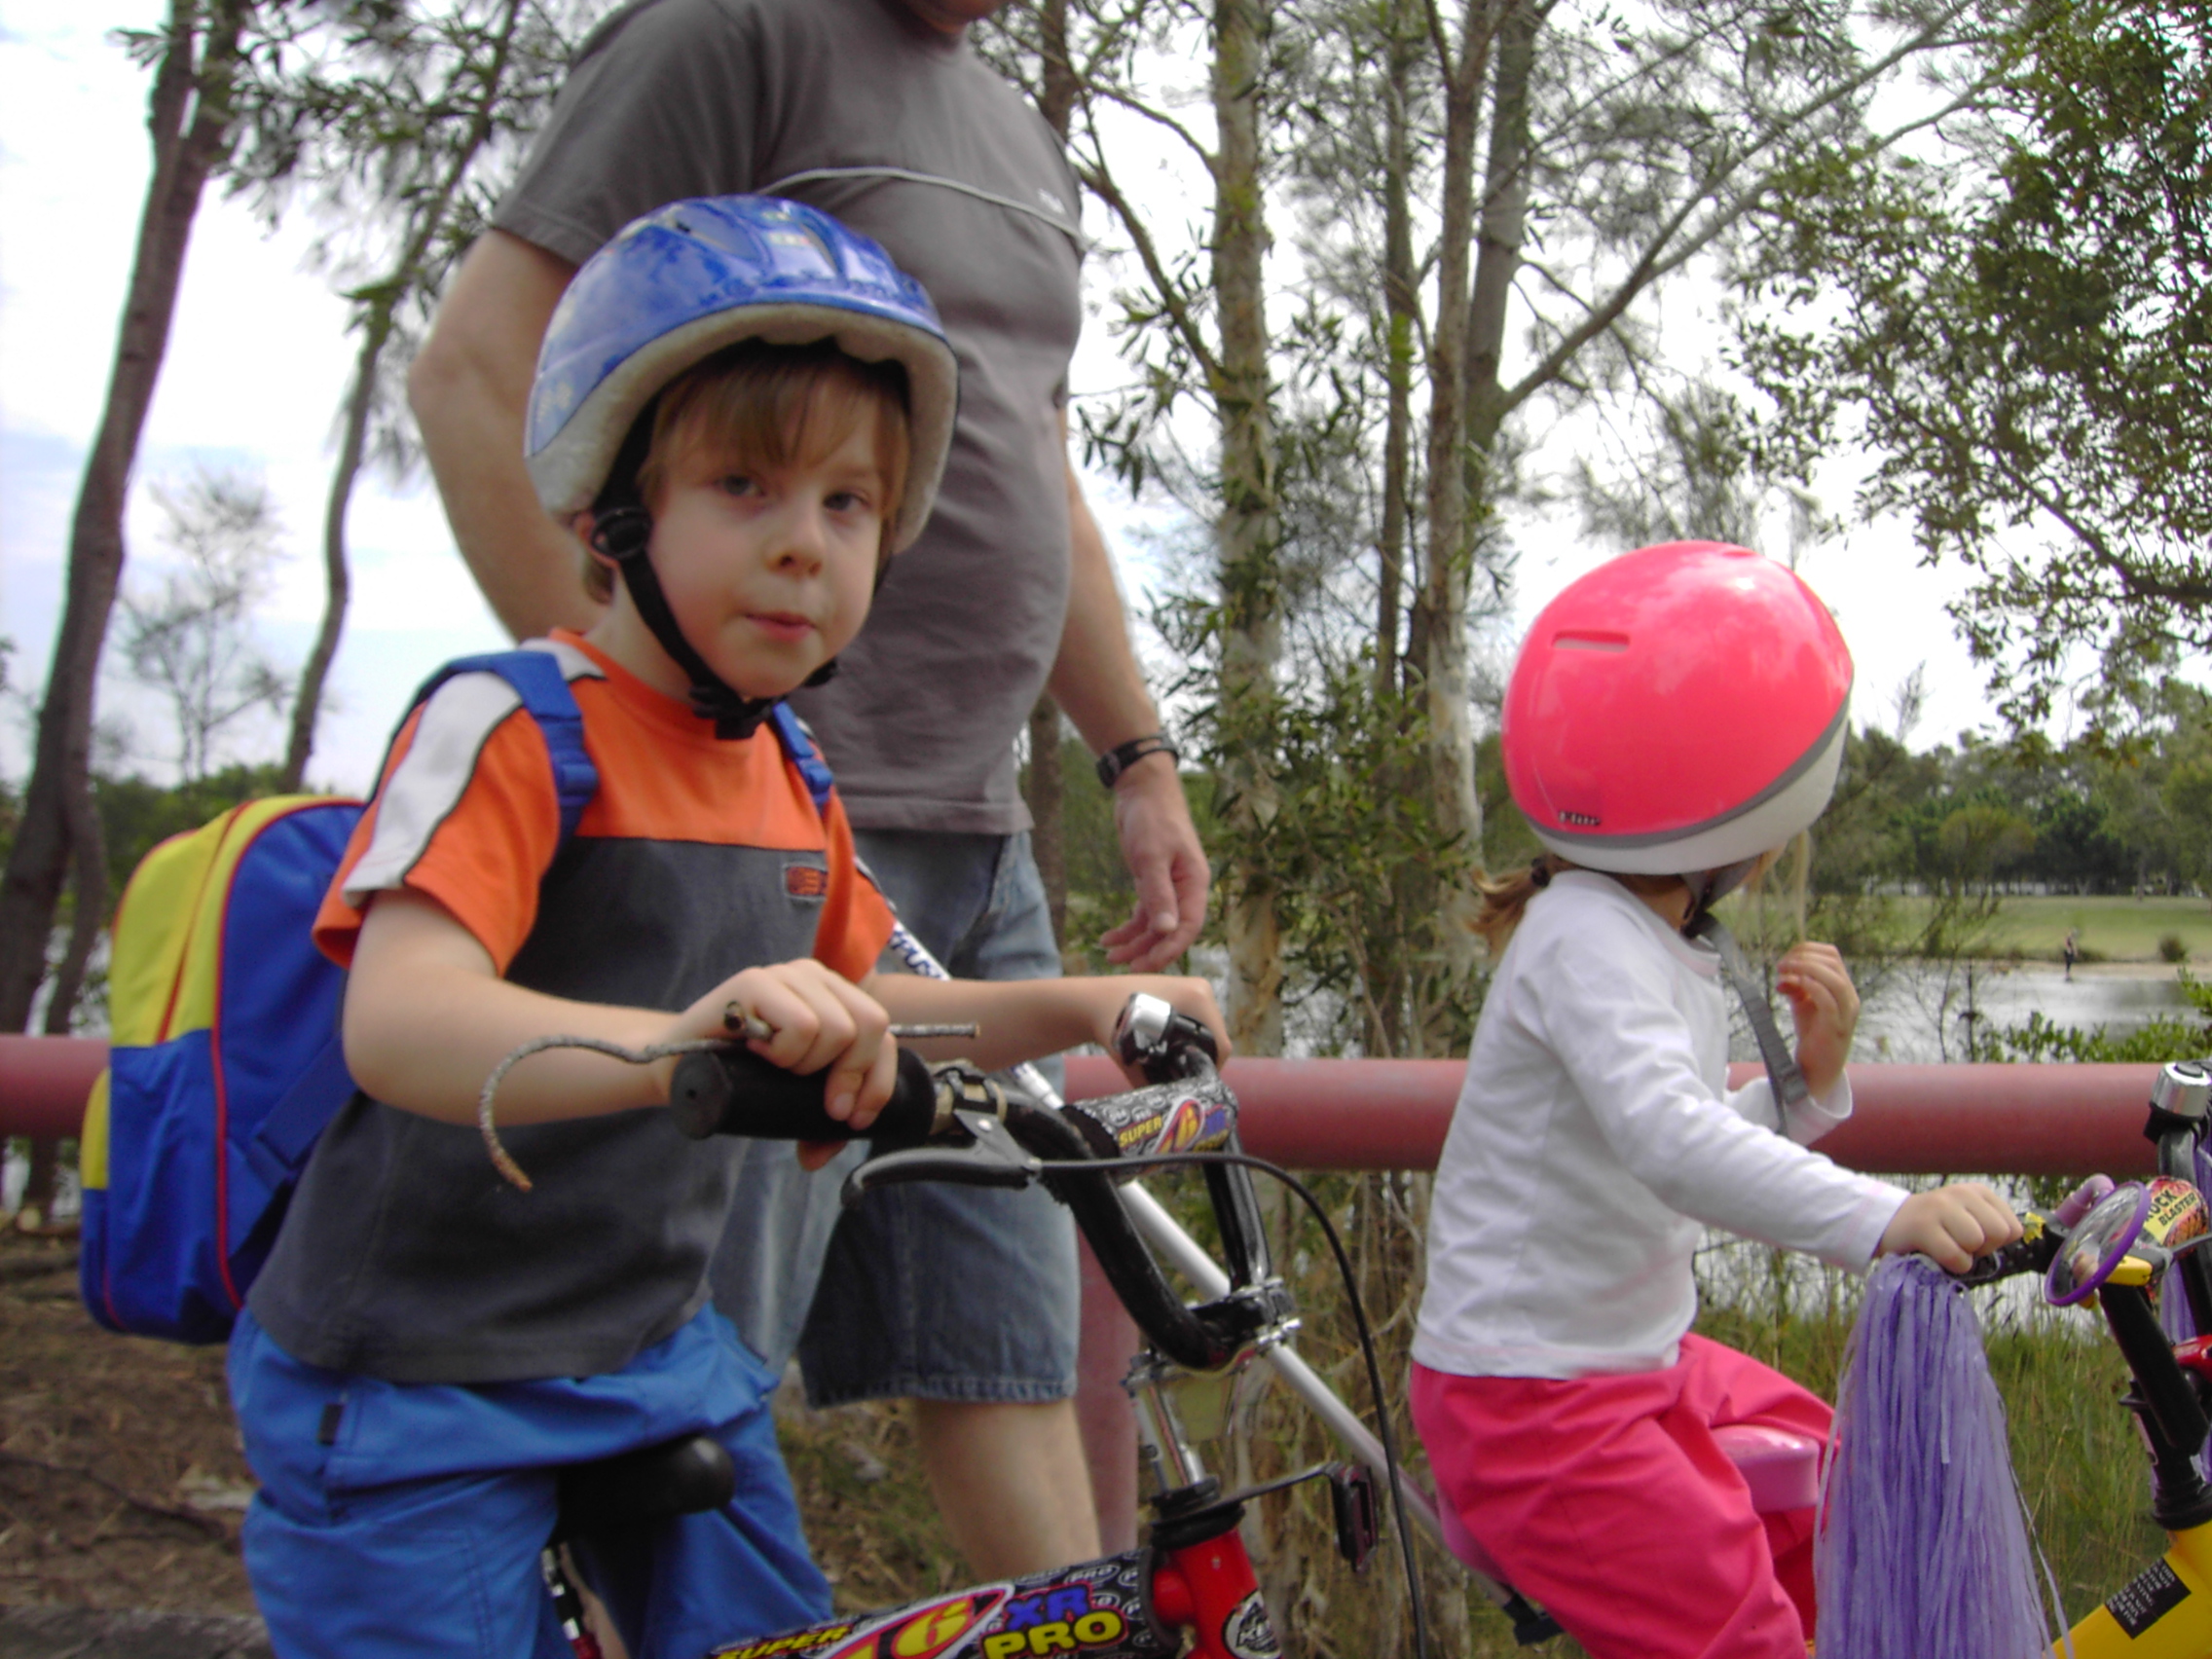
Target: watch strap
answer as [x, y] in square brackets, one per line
[1122, 755]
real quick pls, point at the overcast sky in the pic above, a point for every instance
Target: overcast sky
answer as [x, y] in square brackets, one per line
[258, 361]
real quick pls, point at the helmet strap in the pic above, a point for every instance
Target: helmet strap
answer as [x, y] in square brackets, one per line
[1785, 1078]
[1708, 887]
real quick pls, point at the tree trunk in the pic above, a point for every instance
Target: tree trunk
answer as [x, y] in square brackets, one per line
[1443, 660]
[189, 112]
[1056, 96]
[1247, 533]
[1401, 304]
[89, 880]
[337, 577]
[376, 333]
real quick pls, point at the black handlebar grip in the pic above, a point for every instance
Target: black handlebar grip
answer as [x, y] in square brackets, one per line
[734, 1091]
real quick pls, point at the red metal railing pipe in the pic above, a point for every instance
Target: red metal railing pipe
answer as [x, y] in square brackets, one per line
[2029, 1120]
[44, 1082]
[1951, 1119]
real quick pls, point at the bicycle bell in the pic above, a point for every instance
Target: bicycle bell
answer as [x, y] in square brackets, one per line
[2184, 1089]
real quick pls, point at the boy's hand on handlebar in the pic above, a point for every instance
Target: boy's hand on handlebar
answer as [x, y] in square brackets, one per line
[817, 1019]
[1951, 1225]
[1186, 996]
[1825, 1005]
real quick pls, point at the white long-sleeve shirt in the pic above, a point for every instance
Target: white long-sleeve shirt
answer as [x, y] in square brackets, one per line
[1593, 1137]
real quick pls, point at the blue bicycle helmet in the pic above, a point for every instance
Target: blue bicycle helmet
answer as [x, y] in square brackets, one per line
[679, 285]
[668, 291]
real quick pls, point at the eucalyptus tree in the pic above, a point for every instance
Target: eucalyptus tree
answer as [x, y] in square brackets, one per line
[1105, 63]
[395, 124]
[2017, 320]
[196, 57]
[189, 637]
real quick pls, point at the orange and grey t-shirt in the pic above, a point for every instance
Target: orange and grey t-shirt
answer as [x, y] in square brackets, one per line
[404, 1254]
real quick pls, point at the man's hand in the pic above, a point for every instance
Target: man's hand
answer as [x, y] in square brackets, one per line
[1160, 846]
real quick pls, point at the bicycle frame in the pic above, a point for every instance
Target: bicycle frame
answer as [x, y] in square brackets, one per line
[1190, 1589]
[2164, 1612]
[1133, 1605]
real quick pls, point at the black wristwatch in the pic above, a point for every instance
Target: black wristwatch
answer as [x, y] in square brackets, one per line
[1122, 755]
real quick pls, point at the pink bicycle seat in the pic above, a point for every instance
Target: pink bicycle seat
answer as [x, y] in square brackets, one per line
[1782, 1469]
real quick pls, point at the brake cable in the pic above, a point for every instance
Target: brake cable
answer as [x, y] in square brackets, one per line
[1319, 1213]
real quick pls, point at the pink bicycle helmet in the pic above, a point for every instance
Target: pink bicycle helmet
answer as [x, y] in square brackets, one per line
[1678, 710]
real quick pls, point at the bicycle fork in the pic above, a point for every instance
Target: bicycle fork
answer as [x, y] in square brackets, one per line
[1203, 1580]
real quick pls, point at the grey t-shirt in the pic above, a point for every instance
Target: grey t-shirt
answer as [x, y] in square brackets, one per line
[859, 108]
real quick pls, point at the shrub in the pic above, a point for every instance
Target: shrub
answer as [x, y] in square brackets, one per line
[2172, 948]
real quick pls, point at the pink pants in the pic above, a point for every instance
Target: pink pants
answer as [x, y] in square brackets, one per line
[1607, 1499]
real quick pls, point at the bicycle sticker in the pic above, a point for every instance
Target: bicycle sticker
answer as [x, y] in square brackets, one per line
[1096, 1608]
[2151, 1597]
[1246, 1631]
[793, 1641]
[1167, 1118]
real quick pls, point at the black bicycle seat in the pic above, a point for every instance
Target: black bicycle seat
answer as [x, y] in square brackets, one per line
[637, 1489]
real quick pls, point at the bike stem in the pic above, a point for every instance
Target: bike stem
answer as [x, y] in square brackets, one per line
[1183, 1252]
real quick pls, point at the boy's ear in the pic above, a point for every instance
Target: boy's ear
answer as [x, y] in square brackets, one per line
[584, 527]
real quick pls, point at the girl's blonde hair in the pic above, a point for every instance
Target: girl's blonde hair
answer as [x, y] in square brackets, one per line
[1505, 898]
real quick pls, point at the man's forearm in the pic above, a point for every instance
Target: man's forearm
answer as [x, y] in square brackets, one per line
[469, 390]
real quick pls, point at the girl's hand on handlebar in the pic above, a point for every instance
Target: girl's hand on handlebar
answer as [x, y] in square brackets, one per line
[1951, 1225]
[816, 1018]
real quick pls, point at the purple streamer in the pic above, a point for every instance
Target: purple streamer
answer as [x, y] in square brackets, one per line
[1923, 1547]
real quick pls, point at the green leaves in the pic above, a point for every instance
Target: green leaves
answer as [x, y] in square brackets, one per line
[2024, 332]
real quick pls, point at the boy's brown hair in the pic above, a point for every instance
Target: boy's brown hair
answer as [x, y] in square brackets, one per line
[757, 405]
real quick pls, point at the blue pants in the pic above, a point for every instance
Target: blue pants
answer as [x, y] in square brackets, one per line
[400, 1518]
[924, 1291]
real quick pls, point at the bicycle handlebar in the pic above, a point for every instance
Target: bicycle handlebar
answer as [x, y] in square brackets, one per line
[734, 1091]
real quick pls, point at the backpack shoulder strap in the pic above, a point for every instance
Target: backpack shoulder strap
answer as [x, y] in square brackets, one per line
[541, 682]
[799, 745]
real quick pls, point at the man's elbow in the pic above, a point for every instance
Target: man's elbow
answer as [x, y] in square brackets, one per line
[435, 379]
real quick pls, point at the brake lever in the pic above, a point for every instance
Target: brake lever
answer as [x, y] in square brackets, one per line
[992, 1158]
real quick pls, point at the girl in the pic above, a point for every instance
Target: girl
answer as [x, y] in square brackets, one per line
[1675, 717]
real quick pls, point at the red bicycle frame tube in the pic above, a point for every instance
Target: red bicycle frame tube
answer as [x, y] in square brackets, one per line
[1133, 1605]
[1209, 1588]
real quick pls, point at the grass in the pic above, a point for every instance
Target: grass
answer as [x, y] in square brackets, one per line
[2075, 1449]
[2114, 929]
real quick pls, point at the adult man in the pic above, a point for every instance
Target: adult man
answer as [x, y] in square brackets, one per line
[877, 112]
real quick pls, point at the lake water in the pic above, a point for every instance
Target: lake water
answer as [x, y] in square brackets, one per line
[1920, 1013]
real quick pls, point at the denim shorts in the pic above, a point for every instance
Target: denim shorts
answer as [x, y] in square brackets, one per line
[924, 1291]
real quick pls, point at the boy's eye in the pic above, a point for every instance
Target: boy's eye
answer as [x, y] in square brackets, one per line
[736, 484]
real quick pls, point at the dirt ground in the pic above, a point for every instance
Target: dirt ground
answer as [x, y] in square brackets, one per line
[122, 1485]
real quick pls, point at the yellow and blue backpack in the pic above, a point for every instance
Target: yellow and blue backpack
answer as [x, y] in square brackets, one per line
[225, 1060]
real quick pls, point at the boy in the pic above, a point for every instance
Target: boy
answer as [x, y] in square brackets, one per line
[746, 407]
